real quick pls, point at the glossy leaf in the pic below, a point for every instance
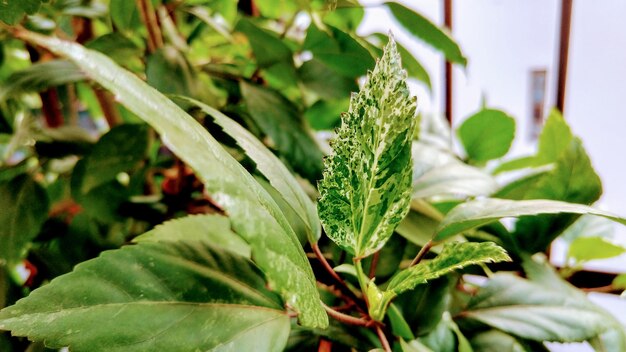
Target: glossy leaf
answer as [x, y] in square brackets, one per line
[254, 215]
[487, 135]
[280, 120]
[484, 211]
[535, 311]
[272, 168]
[423, 28]
[24, 210]
[453, 256]
[154, 296]
[366, 187]
[210, 228]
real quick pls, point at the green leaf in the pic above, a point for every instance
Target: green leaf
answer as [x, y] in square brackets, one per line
[119, 150]
[326, 83]
[591, 248]
[423, 307]
[535, 311]
[423, 28]
[39, 77]
[588, 226]
[210, 228]
[555, 138]
[267, 47]
[453, 256]
[254, 214]
[399, 326]
[497, 341]
[326, 114]
[339, 51]
[24, 210]
[620, 282]
[281, 121]
[366, 188]
[154, 296]
[414, 68]
[124, 14]
[487, 135]
[12, 11]
[272, 168]
[417, 227]
[168, 71]
[413, 346]
[484, 211]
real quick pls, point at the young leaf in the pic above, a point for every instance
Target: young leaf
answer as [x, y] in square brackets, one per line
[484, 211]
[209, 228]
[487, 135]
[272, 168]
[453, 256]
[366, 187]
[154, 296]
[24, 210]
[254, 214]
[424, 29]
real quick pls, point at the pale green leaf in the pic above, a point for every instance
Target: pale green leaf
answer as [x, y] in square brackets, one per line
[366, 187]
[484, 211]
[427, 31]
[272, 168]
[487, 135]
[620, 282]
[39, 77]
[254, 214]
[454, 179]
[453, 256]
[535, 311]
[209, 228]
[154, 297]
[592, 248]
[24, 210]
[413, 346]
[589, 226]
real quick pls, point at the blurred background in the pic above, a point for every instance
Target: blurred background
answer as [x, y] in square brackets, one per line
[513, 64]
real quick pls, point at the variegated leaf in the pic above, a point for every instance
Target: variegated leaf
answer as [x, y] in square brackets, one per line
[366, 187]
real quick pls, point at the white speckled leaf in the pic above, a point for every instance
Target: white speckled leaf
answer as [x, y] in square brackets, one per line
[366, 187]
[254, 214]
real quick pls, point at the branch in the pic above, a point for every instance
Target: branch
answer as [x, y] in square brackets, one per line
[347, 319]
[383, 338]
[418, 258]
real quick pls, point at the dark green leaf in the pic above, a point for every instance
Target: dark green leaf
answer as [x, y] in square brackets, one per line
[268, 48]
[154, 296]
[168, 71]
[281, 121]
[427, 31]
[484, 211]
[119, 150]
[487, 135]
[496, 341]
[12, 11]
[326, 83]
[124, 14]
[254, 214]
[423, 306]
[365, 192]
[24, 210]
[326, 114]
[210, 228]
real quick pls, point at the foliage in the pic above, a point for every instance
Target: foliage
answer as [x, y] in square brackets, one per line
[159, 180]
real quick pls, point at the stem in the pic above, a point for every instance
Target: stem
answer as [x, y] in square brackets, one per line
[326, 265]
[345, 318]
[362, 278]
[148, 16]
[107, 105]
[418, 258]
[374, 264]
[383, 338]
[325, 346]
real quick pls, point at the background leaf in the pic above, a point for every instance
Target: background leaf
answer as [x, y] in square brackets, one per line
[103, 304]
[12, 11]
[591, 248]
[24, 210]
[423, 28]
[487, 135]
